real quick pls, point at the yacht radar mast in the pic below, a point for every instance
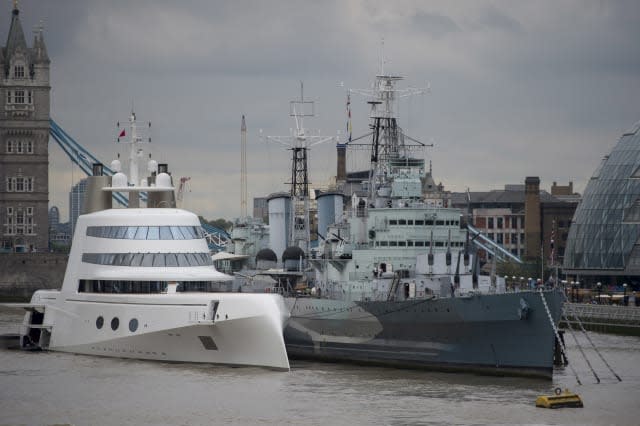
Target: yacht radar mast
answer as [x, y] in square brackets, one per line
[299, 143]
[135, 151]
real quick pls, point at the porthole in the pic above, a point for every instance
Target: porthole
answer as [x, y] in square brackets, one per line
[99, 322]
[115, 322]
[133, 325]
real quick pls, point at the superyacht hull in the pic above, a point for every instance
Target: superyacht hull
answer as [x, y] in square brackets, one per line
[225, 329]
[502, 334]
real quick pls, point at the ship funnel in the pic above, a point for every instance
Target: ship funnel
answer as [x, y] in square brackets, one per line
[165, 198]
[97, 199]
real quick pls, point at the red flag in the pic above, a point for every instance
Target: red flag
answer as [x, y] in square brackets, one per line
[122, 133]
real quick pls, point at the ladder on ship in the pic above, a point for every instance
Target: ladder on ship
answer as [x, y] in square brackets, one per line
[393, 287]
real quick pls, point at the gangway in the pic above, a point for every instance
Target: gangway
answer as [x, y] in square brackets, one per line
[217, 238]
[491, 247]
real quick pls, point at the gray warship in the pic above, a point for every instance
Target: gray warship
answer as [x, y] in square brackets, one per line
[394, 280]
[396, 283]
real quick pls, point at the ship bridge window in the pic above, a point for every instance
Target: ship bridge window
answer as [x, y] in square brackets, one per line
[148, 259]
[146, 232]
[122, 287]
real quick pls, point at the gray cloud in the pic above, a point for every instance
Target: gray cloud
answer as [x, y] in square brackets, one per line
[526, 88]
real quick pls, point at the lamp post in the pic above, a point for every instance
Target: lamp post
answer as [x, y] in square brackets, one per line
[506, 282]
[599, 291]
[573, 291]
[577, 291]
[513, 282]
[624, 296]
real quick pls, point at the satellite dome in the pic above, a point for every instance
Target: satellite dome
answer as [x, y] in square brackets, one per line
[293, 253]
[266, 254]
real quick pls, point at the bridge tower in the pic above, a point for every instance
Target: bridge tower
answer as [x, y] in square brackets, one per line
[24, 137]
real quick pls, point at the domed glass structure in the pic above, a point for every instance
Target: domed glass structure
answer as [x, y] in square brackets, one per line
[603, 238]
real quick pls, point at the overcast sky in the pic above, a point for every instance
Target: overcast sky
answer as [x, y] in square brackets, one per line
[518, 88]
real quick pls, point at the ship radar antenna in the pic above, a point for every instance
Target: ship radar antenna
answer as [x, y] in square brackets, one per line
[299, 142]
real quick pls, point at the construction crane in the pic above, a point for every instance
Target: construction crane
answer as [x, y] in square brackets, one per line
[184, 185]
[243, 169]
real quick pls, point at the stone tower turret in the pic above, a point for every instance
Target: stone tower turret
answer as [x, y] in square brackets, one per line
[24, 137]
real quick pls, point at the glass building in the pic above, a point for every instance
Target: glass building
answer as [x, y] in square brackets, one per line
[603, 238]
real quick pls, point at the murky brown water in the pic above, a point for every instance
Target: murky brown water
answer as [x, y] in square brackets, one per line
[55, 388]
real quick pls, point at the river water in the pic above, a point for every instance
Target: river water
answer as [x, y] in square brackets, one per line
[47, 388]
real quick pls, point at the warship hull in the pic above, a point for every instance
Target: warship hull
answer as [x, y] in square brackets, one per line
[499, 334]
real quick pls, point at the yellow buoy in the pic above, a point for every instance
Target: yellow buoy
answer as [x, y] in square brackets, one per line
[559, 400]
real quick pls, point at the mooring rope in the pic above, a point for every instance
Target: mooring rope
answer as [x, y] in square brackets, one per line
[558, 339]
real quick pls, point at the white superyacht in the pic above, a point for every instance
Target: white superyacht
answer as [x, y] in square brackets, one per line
[140, 284]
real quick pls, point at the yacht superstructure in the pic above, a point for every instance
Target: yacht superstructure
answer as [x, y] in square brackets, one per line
[140, 283]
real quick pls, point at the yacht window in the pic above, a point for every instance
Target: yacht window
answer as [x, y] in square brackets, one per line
[393, 222]
[158, 259]
[122, 231]
[112, 231]
[428, 222]
[141, 233]
[182, 260]
[192, 259]
[439, 244]
[131, 232]
[419, 222]
[419, 243]
[119, 259]
[409, 243]
[402, 243]
[154, 233]
[177, 233]
[393, 243]
[402, 222]
[384, 243]
[147, 259]
[171, 259]
[410, 222]
[136, 260]
[165, 233]
[192, 230]
[439, 222]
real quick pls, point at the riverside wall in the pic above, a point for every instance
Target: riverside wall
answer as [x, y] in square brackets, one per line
[23, 273]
